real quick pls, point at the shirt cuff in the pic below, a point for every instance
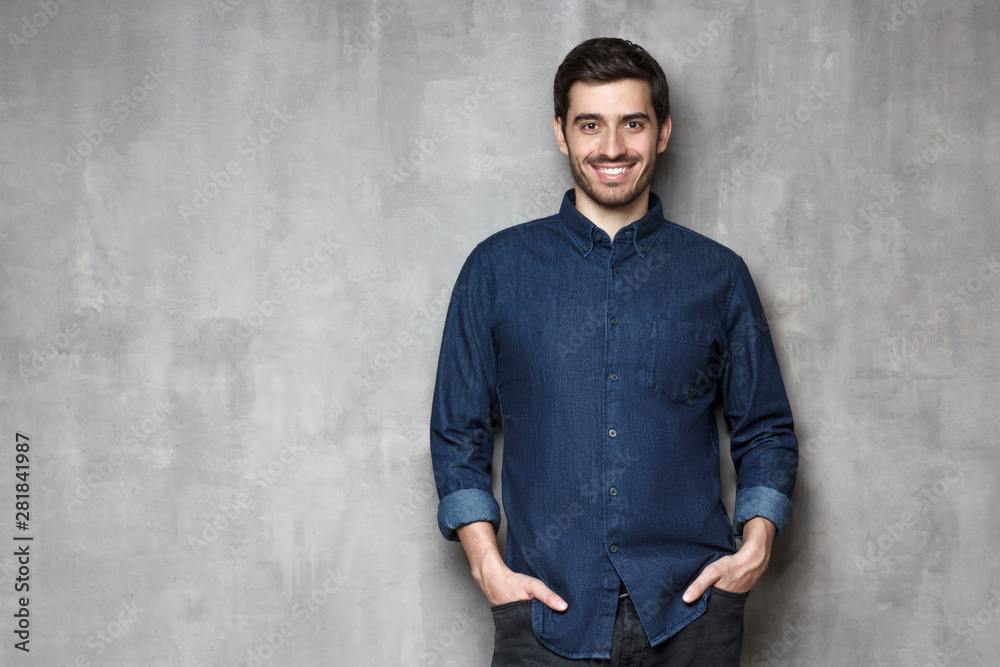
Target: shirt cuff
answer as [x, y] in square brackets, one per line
[761, 501]
[465, 506]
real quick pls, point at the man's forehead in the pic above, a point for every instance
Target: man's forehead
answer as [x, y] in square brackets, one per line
[622, 96]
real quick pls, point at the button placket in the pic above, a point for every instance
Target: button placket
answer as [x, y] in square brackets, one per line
[613, 404]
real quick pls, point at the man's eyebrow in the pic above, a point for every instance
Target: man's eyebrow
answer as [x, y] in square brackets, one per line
[636, 116]
[588, 116]
[600, 117]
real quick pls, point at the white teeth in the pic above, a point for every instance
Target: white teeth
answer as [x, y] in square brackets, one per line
[616, 170]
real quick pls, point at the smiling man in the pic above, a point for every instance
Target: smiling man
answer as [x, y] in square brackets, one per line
[603, 337]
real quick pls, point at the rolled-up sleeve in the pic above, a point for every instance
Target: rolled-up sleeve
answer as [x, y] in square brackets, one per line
[763, 443]
[465, 398]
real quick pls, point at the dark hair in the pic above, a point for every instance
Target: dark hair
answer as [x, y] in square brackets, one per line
[606, 59]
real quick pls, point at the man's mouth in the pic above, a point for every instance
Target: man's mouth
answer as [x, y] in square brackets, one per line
[613, 173]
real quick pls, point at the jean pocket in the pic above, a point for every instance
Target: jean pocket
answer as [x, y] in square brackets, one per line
[509, 605]
[730, 594]
[684, 364]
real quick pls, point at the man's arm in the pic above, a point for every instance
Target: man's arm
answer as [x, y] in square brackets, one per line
[498, 582]
[461, 438]
[461, 429]
[763, 443]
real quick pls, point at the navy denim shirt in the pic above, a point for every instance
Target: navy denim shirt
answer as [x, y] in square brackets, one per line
[603, 359]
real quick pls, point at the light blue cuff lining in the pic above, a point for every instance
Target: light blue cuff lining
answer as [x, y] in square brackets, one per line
[465, 506]
[761, 501]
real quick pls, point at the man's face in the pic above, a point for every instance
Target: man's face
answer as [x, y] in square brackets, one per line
[612, 140]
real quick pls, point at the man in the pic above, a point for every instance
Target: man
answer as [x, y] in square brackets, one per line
[602, 337]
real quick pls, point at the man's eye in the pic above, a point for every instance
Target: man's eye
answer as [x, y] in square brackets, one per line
[634, 125]
[590, 127]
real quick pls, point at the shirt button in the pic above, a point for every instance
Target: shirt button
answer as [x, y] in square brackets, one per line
[614, 377]
[614, 269]
[614, 548]
[642, 248]
[613, 491]
[613, 433]
[614, 321]
[586, 248]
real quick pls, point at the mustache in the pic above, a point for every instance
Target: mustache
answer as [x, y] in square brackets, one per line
[621, 159]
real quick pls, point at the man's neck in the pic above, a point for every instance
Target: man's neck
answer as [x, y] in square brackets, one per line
[612, 219]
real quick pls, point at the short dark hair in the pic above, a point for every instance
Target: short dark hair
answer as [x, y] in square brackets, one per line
[606, 59]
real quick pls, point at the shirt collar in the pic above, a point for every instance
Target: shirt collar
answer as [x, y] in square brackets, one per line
[583, 232]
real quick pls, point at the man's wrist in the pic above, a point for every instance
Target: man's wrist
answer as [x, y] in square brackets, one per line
[758, 534]
[759, 529]
[488, 567]
[480, 546]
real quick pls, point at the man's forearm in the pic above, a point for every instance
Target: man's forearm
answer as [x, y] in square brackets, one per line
[480, 544]
[759, 529]
[758, 535]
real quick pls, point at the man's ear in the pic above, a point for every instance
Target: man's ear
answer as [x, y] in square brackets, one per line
[661, 143]
[560, 135]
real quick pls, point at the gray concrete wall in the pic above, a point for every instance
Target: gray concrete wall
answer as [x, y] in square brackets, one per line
[229, 233]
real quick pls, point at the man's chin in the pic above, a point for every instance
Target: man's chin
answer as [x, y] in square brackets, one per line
[612, 197]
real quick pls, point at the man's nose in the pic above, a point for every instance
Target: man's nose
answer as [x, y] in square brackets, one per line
[612, 144]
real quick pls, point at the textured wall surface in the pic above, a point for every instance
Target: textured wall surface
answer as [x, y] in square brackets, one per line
[230, 231]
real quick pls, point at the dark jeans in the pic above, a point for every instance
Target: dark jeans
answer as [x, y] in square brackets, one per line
[714, 639]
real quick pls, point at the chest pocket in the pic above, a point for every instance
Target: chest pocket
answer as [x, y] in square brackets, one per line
[684, 363]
